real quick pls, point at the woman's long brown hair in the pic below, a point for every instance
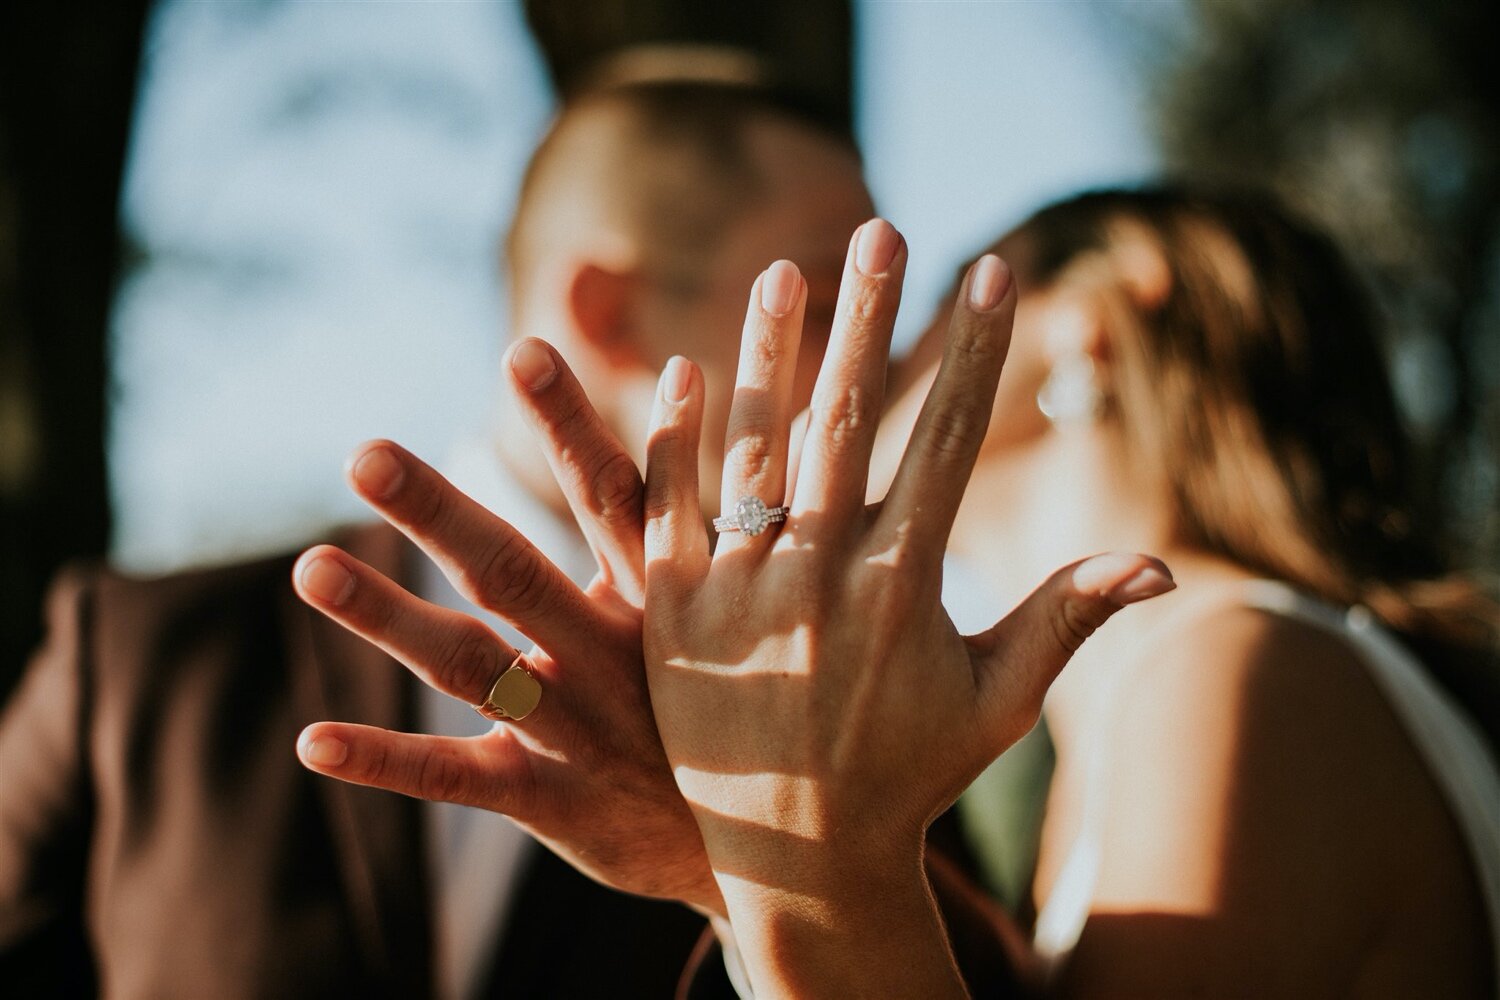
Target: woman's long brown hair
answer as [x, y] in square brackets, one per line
[1257, 380]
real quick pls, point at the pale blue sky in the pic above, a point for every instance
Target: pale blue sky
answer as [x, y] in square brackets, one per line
[321, 187]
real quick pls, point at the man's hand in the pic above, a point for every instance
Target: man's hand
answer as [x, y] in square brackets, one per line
[585, 772]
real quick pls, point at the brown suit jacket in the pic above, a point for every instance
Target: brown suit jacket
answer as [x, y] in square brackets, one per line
[159, 839]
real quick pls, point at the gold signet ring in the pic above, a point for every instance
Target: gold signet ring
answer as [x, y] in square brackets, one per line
[513, 696]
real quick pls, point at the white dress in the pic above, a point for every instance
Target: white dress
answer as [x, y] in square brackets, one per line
[1444, 735]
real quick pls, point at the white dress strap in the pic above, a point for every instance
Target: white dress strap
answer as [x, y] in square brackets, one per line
[1449, 742]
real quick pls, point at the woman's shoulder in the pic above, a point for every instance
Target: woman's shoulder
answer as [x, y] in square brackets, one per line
[1260, 666]
[1273, 688]
[1270, 730]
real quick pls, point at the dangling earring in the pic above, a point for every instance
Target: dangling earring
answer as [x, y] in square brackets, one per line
[1071, 393]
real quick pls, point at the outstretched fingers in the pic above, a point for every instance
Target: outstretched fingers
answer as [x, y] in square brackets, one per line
[846, 403]
[676, 543]
[490, 562]
[933, 473]
[599, 478]
[488, 772]
[451, 652]
[1017, 660]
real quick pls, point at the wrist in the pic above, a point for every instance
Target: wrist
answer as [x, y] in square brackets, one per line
[833, 937]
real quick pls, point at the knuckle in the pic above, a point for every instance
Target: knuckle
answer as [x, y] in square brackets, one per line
[953, 433]
[442, 780]
[617, 490]
[430, 509]
[844, 417]
[1076, 620]
[977, 348]
[510, 578]
[663, 499]
[753, 453]
[470, 663]
[375, 766]
[567, 421]
[768, 351]
[866, 305]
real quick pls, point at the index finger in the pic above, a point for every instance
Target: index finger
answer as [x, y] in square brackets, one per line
[939, 458]
[598, 477]
[487, 560]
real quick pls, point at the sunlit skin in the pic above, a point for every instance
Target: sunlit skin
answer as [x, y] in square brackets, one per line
[817, 704]
[1266, 802]
[585, 772]
[1207, 852]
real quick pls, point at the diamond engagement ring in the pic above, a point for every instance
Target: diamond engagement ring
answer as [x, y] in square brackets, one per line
[751, 515]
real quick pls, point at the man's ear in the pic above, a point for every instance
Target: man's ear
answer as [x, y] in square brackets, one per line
[601, 304]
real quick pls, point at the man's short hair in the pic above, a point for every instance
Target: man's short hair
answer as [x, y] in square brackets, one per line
[669, 164]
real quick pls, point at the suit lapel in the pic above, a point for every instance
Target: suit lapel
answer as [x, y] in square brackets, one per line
[377, 835]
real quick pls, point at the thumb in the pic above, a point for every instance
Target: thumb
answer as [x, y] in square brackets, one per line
[1018, 659]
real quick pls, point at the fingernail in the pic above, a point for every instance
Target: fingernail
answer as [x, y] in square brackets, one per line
[988, 282]
[779, 287]
[1145, 582]
[325, 751]
[1111, 573]
[533, 364]
[378, 473]
[676, 379]
[327, 580]
[878, 242]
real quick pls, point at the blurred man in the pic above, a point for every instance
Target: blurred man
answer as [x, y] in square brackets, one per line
[158, 837]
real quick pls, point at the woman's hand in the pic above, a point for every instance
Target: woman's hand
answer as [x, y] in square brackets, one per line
[816, 703]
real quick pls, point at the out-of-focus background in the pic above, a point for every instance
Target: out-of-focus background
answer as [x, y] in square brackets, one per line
[237, 238]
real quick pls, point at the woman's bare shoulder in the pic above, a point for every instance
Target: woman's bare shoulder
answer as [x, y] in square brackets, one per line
[1261, 781]
[1288, 710]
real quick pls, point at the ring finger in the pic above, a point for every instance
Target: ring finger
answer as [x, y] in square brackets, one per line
[755, 447]
[449, 651]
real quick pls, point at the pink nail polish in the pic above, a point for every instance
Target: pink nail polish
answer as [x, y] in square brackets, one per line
[676, 380]
[878, 242]
[989, 280]
[378, 473]
[779, 286]
[533, 364]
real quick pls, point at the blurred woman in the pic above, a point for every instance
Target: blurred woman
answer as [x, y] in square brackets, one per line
[1270, 782]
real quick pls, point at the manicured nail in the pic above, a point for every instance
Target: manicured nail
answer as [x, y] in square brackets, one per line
[325, 751]
[676, 380]
[378, 473]
[779, 287]
[989, 280]
[1110, 573]
[1145, 582]
[878, 242]
[533, 364]
[326, 579]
